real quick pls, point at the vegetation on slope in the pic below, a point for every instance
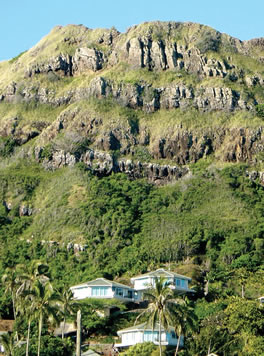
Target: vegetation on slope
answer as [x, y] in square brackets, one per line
[209, 225]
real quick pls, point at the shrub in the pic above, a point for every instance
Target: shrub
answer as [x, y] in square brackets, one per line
[144, 349]
[260, 110]
[210, 41]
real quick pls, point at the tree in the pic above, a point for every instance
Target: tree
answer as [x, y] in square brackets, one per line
[9, 281]
[68, 306]
[184, 319]
[8, 341]
[44, 305]
[25, 308]
[28, 275]
[161, 302]
[144, 349]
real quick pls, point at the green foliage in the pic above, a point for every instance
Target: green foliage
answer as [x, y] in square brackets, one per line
[7, 145]
[142, 154]
[209, 41]
[144, 349]
[51, 346]
[260, 110]
[245, 316]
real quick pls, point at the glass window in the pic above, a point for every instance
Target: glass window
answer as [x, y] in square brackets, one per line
[99, 291]
[148, 336]
[119, 292]
[178, 282]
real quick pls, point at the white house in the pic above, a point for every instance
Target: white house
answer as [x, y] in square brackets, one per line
[102, 288]
[143, 333]
[261, 300]
[177, 281]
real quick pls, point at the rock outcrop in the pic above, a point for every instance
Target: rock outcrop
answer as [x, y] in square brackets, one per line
[143, 96]
[103, 164]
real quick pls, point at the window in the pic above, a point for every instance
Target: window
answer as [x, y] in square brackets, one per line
[178, 282]
[119, 292]
[183, 283]
[99, 291]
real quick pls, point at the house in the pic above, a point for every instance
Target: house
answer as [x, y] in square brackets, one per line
[103, 288]
[177, 282]
[6, 326]
[143, 333]
[68, 329]
[261, 300]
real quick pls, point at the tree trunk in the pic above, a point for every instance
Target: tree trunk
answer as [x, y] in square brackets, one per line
[63, 328]
[14, 311]
[178, 341]
[39, 336]
[243, 291]
[160, 337]
[14, 308]
[178, 345]
[28, 333]
[78, 341]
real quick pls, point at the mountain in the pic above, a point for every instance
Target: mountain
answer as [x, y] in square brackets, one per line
[177, 108]
[174, 91]
[123, 152]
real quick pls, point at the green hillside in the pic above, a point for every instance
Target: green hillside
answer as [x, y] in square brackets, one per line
[124, 152]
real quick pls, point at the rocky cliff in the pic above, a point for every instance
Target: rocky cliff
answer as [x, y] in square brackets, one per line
[126, 102]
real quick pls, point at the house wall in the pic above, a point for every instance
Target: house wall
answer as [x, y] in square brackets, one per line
[83, 292]
[172, 339]
[135, 337]
[92, 292]
[132, 338]
[142, 283]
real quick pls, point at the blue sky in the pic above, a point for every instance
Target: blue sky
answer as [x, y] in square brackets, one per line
[24, 22]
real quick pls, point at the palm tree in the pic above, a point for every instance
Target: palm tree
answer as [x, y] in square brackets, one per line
[160, 308]
[44, 305]
[183, 318]
[8, 342]
[25, 308]
[28, 275]
[68, 306]
[9, 280]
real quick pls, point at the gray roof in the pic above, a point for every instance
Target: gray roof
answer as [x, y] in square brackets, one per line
[102, 282]
[144, 327]
[161, 272]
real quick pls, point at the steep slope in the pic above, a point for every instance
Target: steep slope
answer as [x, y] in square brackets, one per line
[148, 103]
[172, 77]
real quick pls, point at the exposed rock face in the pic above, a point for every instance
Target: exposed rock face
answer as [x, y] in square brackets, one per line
[254, 175]
[87, 58]
[25, 210]
[181, 146]
[61, 64]
[196, 77]
[142, 96]
[139, 53]
[103, 164]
